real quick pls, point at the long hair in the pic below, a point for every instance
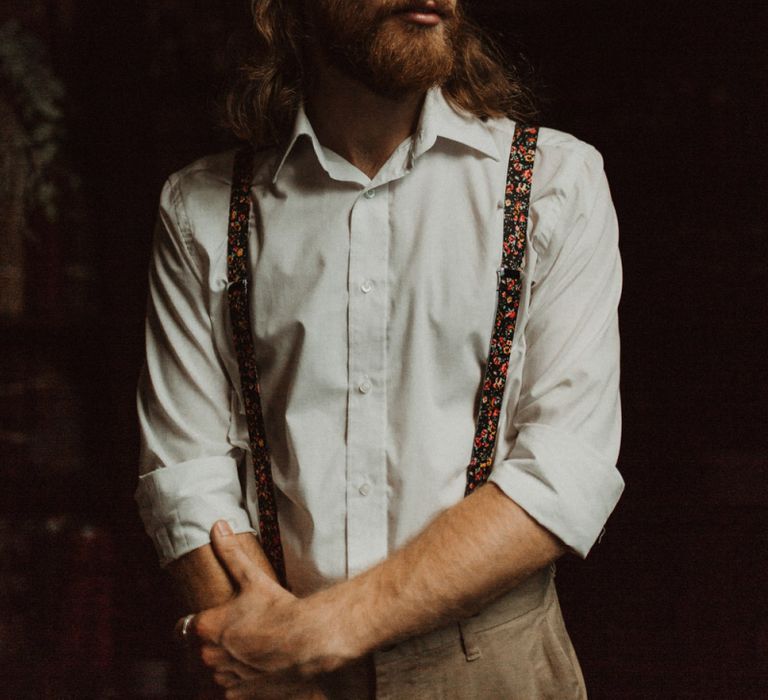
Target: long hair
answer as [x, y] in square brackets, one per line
[262, 102]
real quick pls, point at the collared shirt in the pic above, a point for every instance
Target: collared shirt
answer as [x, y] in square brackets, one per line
[372, 304]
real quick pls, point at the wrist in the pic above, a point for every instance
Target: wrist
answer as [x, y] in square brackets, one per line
[341, 630]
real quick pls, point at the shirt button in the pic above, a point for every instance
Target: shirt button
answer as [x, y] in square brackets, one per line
[366, 286]
[365, 386]
[369, 194]
[364, 490]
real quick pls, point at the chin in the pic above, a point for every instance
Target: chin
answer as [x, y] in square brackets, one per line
[410, 61]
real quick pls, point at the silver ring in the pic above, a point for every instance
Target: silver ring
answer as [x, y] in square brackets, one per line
[185, 627]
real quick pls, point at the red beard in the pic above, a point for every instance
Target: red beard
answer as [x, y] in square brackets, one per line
[381, 49]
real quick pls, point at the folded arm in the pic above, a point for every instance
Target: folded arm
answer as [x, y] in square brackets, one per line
[469, 555]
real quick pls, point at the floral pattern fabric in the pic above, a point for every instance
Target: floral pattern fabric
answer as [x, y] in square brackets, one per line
[237, 292]
[516, 204]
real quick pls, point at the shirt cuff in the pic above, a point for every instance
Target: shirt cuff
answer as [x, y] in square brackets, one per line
[179, 504]
[563, 484]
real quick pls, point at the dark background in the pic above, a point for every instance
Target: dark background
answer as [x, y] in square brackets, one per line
[671, 603]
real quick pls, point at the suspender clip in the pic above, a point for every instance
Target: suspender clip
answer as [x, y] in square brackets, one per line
[242, 281]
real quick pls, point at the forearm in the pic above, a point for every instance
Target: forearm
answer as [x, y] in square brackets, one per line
[469, 555]
[202, 582]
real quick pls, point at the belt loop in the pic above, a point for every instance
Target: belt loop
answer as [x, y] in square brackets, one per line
[469, 643]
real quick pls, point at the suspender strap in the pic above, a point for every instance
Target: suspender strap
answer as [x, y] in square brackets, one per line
[237, 293]
[516, 202]
[519, 174]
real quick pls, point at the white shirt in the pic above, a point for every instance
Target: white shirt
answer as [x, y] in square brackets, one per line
[372, 307]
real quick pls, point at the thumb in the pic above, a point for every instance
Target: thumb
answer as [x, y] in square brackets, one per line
[232, 555]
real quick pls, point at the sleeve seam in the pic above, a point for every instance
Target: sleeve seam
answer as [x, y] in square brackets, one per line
[184, 226]
[583, 167]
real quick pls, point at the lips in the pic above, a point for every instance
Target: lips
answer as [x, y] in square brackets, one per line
[424, 7]
[425, 14]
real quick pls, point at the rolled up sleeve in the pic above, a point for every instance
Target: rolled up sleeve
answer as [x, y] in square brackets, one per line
[564, 434]
[189, 473]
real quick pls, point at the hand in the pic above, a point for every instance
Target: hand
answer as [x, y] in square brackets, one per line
[202, 583]
[240, 681]
[266, 634]
[279, 686]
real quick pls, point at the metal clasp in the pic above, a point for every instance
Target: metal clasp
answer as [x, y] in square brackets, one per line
[243, 281]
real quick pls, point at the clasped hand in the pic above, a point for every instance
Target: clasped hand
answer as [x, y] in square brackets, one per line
[265, 637]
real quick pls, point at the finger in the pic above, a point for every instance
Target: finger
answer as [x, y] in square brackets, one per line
[226, 680]
[215, 657]
[232, 555]
[208, 626]
[218, 659]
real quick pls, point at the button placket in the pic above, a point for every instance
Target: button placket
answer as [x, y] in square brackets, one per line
[367, 516]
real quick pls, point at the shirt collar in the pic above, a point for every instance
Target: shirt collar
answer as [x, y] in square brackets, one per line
[438, 119]
[301, 127]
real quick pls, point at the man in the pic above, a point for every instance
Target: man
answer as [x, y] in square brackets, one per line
[378, 217]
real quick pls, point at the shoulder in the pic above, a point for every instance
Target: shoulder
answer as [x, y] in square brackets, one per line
[565, 164]
[202, 188]
[568, 180]
[194, 203]
[197, 193]
[206, 175]
[559, 155]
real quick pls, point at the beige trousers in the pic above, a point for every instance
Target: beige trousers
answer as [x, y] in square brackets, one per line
[515, 649]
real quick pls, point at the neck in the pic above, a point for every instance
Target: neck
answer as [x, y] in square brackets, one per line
[358, 124]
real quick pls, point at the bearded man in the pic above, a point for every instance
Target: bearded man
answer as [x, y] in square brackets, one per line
[318, 369]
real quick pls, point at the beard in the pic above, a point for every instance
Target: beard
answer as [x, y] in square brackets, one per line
[380, 49]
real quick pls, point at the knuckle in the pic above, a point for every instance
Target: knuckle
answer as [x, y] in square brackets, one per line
[227, 639]
[202, 626]
[225, 680]
[228, 545]
[207, 656]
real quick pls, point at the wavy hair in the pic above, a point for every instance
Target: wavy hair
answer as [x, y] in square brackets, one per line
[262, 101]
